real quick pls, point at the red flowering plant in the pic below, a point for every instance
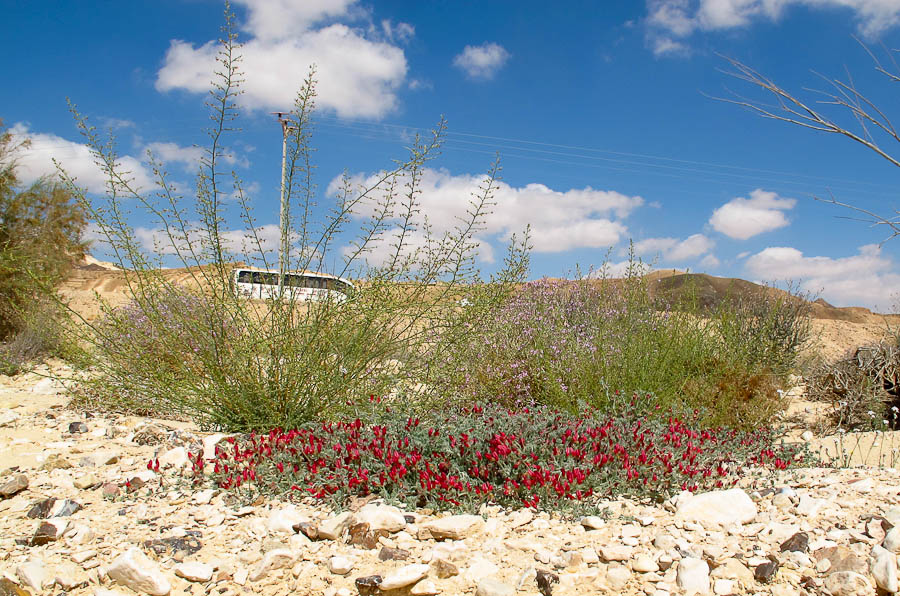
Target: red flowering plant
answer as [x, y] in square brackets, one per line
[534, 457]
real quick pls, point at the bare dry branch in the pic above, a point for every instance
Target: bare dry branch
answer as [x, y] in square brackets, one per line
[844, 95]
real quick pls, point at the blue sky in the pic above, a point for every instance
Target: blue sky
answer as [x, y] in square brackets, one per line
[600, 111]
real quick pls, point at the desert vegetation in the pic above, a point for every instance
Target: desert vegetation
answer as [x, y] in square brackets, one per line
[862, 389]
[430, 383]
[40, 238]
[462, 457]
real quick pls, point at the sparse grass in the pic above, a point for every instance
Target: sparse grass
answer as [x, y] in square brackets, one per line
[878, 448]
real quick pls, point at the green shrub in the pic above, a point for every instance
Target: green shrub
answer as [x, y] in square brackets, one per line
[564, 344]
[200, 351]
[40, 239]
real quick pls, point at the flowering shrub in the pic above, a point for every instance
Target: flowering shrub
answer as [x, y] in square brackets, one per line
[157, 346]
[166, 328]
[539, 347]
[534, 457]
[215, 360]
[290, 361]
[569, 343]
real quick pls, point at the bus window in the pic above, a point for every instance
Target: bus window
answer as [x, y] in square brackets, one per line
[293, 281]
[245, 277]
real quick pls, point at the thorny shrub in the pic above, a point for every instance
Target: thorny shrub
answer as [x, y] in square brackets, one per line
[863, 388]
[534, 457]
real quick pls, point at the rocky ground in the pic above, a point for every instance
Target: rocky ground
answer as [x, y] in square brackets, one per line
[80, 513]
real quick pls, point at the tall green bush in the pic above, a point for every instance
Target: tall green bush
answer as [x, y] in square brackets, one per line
[40, 240]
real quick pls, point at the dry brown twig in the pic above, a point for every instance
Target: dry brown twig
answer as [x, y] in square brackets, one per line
[789, 107]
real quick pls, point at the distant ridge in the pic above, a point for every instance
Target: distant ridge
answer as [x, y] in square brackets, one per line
[92, 275]
[710, 291]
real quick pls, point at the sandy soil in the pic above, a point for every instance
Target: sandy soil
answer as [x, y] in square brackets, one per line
[833, 339]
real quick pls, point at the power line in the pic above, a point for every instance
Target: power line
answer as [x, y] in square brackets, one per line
[592, 157]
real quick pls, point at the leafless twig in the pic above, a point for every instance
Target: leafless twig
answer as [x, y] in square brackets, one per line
[871, 120]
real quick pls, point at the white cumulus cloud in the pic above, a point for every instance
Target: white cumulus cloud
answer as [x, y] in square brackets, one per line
[380, 251]
[358, 71]
[710, 262]
[743, 218]
[279, 19]
[669, 21]
[867, 279]
[482, 62]
[673, 249]
[188, 157]
[242, 242]
[76, 159]
[560, 220]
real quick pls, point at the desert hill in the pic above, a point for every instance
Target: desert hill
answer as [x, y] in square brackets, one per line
[710, 291]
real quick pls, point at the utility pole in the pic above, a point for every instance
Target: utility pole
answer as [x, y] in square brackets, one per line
[284, 219]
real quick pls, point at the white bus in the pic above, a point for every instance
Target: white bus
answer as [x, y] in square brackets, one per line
[262, 284]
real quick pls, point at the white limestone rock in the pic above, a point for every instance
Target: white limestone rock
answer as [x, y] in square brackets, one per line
[174, 458]
[278, 558]
[454, 527]
[490, 586]
[884, 569]
[194, 571]
[381, 517]
[892, 540]
[69, 576]
[333, 527]
[426, 587]
[593, 522]
[134, 570]
[204, 496]
[617, 577]
[479, 568]
[644, 564]
[721, 587]
[340, 565]
[615, 552]
[717, 508]
[209, 445]
[521, 518]
[33, 574]
[283, 520]
[848, 583]
[693, 575]
[404, 576]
